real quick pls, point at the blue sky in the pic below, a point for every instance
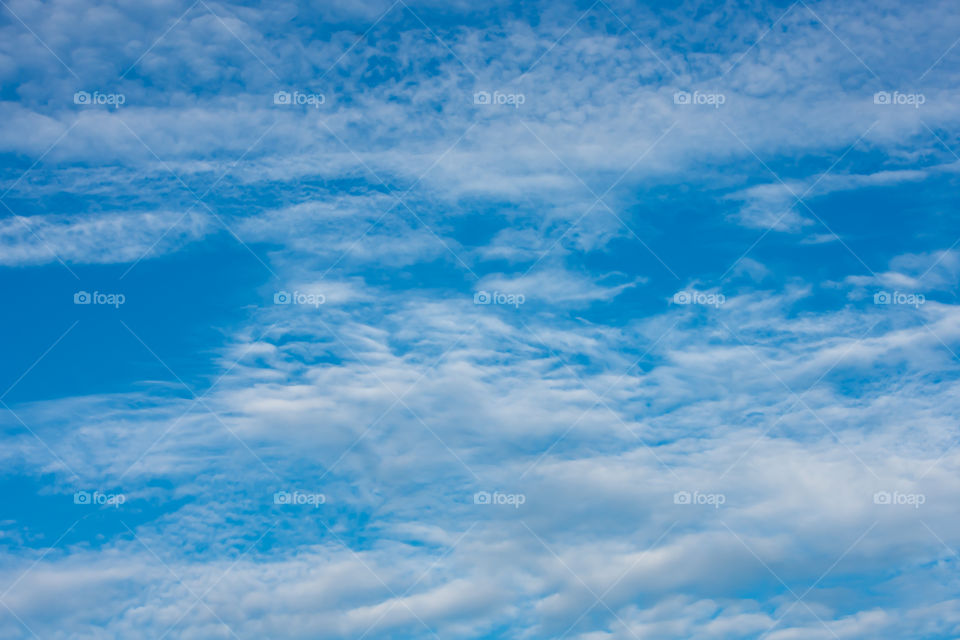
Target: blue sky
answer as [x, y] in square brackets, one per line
[534, 320]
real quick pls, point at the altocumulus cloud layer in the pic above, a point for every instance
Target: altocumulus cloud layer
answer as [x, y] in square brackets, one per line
[436, 320]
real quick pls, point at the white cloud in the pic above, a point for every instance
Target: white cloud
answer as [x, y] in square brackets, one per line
[98, 238]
